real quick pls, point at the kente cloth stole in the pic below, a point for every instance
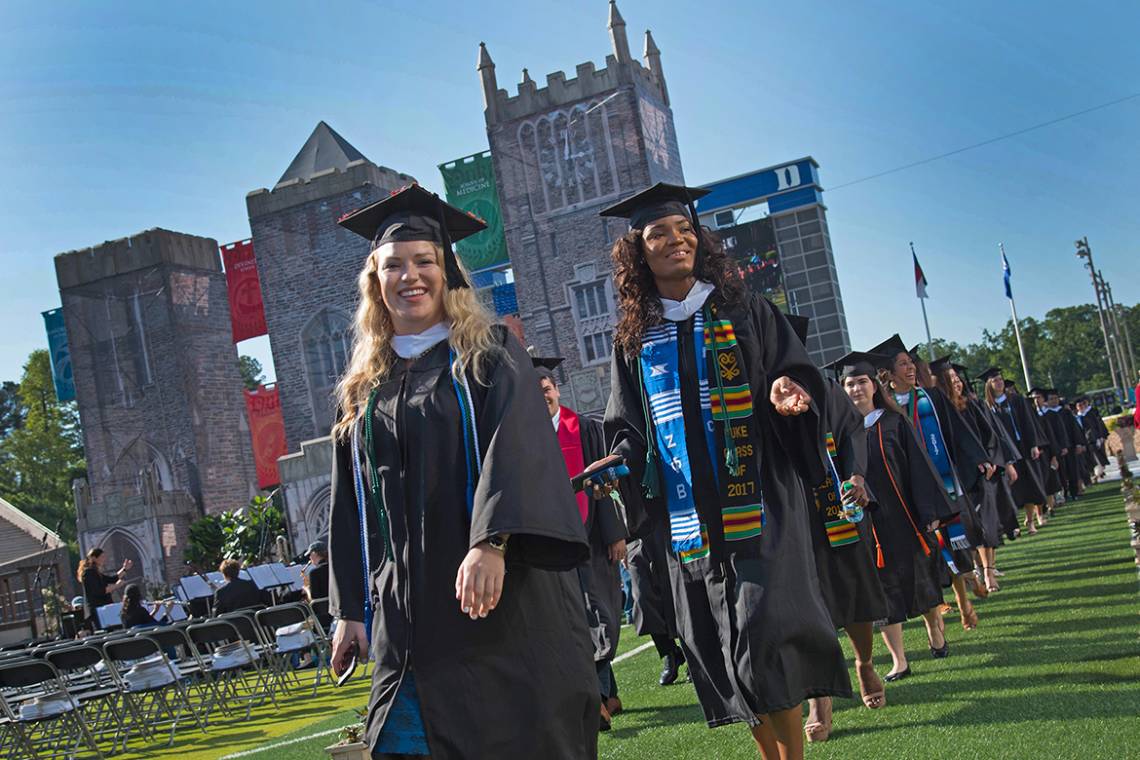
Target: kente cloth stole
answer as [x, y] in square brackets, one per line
[570, 439]
[730, 435]
[369, 494]
[828, 499]
[925, 420]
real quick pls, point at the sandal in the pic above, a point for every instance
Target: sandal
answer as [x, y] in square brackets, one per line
[820, 731]
[975, 586]
[873, 698]
[991, 579]
[969, 618]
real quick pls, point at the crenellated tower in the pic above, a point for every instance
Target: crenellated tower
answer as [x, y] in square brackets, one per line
[561, 153]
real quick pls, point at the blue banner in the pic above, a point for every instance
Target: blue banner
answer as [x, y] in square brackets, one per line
[60, 355]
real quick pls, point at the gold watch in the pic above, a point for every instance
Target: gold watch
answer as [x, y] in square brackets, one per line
[498, 543]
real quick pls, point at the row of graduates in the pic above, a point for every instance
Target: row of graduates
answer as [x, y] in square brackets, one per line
[462, 560]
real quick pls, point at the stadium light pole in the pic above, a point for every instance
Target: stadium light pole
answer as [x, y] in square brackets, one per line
[1085, 252]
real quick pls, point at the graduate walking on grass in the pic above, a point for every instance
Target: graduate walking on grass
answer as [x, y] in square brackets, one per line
[910, 502]
[843, 546]
[715, 406]
[582, 441]
[453, 528]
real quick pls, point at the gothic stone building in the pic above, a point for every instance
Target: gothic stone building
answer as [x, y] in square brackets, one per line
[562, 153]
[308, 265]
[159, 395]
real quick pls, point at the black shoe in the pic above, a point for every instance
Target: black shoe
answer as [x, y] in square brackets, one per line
[892, 677]
[938, 654]
[671, 666]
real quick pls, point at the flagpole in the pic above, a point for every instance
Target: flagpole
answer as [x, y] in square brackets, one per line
[925, 321]
[1016, 328]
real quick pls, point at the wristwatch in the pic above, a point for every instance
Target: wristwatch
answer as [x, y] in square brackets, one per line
[498, 543]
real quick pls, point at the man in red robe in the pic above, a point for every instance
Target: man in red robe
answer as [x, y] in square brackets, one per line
[583, 442]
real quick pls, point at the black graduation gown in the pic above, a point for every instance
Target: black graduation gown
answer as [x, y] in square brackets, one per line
[1007, 506]
[1018, 420]
[848, 580]
[982, 521]
[521, 682]
[1050, 450]
[966, 454]
[909, 496]
[1060, 446]
[1074, 460]
[754, 630]
[604, 526]
[646, 560]
[1095, 433]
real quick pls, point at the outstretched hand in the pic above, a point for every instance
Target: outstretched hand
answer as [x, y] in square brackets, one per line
[788, 397]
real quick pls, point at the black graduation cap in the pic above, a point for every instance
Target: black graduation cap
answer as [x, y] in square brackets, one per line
[412, 213]
[1038, 391]
[963, 375]
[800, 325]
[545, 365]
[941, 363]
[1080, 399]
[892, 347]
[656, 202]
[985, 376]
[860, 363]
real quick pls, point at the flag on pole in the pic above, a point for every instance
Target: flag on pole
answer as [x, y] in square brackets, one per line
[1005, 275]
[919, 277]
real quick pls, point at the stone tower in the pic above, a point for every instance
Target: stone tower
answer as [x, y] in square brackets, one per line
[561, 153]
[159, 395]
[308, 266]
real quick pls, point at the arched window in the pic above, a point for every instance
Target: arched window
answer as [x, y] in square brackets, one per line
[120, 545]
[317, 514]
[568, 157]
[325, 344]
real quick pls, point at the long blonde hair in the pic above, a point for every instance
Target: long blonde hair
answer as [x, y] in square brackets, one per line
[469, 334]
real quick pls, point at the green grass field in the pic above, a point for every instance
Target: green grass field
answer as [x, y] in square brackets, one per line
[1053, 670]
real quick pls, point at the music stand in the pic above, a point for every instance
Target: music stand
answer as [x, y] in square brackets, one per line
[110, 616]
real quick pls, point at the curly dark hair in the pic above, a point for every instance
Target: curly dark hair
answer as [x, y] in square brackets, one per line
[639, 306]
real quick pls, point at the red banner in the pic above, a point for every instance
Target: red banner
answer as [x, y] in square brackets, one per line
[267, 429]
[247, 313]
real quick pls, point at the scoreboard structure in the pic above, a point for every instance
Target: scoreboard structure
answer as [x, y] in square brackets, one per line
[785, 254]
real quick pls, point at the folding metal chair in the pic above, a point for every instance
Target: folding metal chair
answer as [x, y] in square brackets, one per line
[232, 659]
[90, 681]
[43, 718]
[194, 669]
[298, 638]
[148, 681]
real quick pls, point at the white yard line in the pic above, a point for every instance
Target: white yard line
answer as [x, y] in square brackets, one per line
[632, 652]
[299, 739]
[278, 745]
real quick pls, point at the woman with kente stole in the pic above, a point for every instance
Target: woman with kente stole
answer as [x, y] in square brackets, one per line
[959, 460]
[844, 545]
[453, 521]
[711, 404]
[909, 502]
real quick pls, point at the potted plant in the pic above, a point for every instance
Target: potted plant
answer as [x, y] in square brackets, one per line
[351, 745]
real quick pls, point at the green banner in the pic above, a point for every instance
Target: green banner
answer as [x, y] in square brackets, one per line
[469, 183]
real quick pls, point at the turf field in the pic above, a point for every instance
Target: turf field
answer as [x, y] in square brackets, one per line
[1053, 670]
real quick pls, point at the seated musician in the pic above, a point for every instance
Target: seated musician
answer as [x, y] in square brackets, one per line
[237, 593]
[136, 615]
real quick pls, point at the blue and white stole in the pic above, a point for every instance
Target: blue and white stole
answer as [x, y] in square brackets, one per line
[661, 373]
[924, 417]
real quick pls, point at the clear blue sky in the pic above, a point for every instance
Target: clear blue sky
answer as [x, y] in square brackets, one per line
[117, 117]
